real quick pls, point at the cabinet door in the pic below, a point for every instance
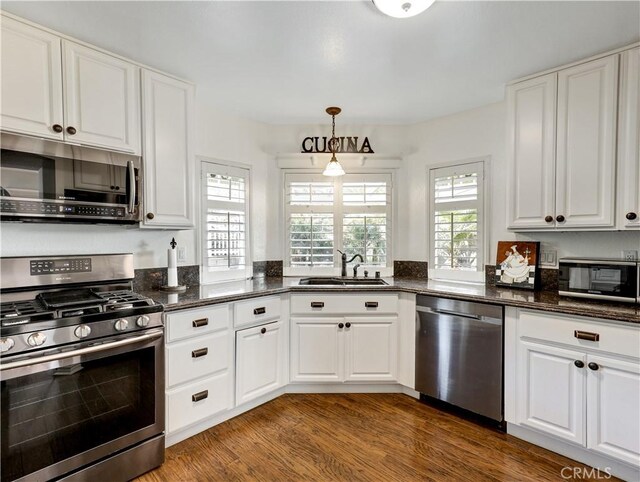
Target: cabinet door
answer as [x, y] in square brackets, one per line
[102, 99]
[31, 80]
[317, 347]
[551, 390]
[613, 414]
[586, 144]
[531, 153]
[259, 361]
[629, 141]
[167, 109]
[371, 349]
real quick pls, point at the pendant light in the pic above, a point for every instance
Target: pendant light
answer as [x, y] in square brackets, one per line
[402, 8]
[334, 168]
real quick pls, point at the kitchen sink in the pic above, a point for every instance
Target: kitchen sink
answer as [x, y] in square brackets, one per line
[343, 281]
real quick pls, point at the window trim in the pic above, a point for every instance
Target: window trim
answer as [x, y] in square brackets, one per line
[483, 221]
[338, 210]
[232, 169]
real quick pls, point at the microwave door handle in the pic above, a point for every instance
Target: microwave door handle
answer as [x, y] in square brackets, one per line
[131, 175]
[37, 360]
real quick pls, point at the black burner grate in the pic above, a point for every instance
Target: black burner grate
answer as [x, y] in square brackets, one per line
[18, 312]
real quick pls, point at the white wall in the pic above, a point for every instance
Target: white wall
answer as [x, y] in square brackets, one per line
[218, 137]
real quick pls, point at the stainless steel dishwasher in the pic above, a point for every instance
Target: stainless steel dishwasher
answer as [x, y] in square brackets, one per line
[459, 354]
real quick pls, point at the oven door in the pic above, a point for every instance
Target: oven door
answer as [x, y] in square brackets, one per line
[63, 411]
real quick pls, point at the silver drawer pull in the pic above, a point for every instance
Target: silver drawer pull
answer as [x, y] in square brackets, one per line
[260, 311]
[586, 335]
[196, 397]
[200, 352]
[200, 322]
[317, 304]
[370, 304]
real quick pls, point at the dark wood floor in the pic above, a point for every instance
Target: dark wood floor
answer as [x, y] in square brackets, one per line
[350, 437]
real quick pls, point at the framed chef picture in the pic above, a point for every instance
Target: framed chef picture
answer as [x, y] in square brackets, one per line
[517, 264]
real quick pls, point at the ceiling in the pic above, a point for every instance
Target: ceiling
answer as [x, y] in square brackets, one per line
[285, 61]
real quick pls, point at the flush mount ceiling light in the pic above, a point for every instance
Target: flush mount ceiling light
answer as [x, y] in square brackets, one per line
[402, 8]
[333, 168]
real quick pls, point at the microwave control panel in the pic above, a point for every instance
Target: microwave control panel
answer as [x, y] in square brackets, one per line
[37, 208]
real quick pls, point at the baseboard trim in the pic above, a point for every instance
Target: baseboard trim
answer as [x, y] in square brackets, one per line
[344, 388]
[601, 462]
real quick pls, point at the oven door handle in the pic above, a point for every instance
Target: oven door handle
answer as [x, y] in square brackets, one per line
[152, 335]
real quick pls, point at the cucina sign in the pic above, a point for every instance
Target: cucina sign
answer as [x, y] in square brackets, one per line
[344, 144]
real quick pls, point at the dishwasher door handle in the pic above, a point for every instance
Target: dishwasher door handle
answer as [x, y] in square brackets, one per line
[479, 318]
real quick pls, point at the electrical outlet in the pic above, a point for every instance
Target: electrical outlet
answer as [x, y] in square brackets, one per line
[182, 254]
[630, 255]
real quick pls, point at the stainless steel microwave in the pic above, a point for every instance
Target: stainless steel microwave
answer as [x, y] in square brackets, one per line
[48, 181]
[600, 279]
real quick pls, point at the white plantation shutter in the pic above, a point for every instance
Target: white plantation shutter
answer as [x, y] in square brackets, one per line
[225, 207]
[457, 201]
[351, 214]
[367, 216]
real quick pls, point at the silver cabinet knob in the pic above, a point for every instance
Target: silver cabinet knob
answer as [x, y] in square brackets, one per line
[6, 344]
[36, 339]
[121, 325]
[143, 321]
[82, 331]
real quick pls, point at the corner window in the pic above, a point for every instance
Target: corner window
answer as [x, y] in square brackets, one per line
[350, 214]
[225, 222]
[456, 221]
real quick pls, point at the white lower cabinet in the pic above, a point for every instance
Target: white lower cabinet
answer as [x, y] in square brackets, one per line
[577, 380]
[317, 351]
[613, 408]
[259, 361]
[551, 390]
[199, 365]
[332, 349]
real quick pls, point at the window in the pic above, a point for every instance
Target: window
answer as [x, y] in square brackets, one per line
[456, 221]
[225, 211]
[351, 214]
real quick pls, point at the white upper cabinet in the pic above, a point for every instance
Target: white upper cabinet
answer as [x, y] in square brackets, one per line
[531, 173]
[58, 89]
[629, 141]
[102, 99]
[31, 81]
[561, 154]
[586, 145]
[167, 106]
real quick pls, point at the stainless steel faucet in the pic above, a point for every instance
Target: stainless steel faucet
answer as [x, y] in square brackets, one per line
[345, 262]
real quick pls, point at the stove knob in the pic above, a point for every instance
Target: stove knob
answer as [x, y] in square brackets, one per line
[143, 321]
[82, 331]
[6, 344]
[36, 339]
[121, 325]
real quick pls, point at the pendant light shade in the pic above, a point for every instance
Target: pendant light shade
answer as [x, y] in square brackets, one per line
[402, 8]
[334, 168]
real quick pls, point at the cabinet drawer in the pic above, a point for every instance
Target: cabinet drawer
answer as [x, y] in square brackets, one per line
[197, 357]
[256, 310]
[197, 401]
[580, 332]
[334, 304]
[183, 324]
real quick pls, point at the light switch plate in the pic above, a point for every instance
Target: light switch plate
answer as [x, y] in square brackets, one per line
[548, 257]
[630, 255]
[182, 254]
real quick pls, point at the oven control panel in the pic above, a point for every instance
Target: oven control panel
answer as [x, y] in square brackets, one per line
[55, 266]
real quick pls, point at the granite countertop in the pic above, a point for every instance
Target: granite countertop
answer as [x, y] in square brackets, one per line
[203, 295]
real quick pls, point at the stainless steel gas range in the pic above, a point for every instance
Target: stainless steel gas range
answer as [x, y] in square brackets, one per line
[81, 370]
